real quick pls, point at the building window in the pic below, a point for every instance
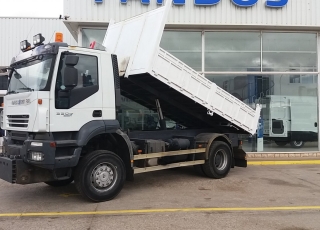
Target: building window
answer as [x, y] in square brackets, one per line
[289, 52]
[184, 45]
[232, 51]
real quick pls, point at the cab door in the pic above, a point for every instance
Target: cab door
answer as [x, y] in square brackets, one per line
[75, 102]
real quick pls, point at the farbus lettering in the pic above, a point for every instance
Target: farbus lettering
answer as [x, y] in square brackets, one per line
[240, 3]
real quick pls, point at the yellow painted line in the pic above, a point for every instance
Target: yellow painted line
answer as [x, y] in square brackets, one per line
[301, 162]
[168, 210]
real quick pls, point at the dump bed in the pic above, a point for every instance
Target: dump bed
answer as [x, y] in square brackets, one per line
[148, 72]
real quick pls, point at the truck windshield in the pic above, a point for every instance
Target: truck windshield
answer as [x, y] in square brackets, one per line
[31, 75]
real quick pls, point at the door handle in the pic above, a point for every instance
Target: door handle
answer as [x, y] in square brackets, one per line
[97, 113]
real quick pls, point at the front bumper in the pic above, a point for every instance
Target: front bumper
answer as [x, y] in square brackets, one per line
[16, 165]
[56, 154]
[16, 171]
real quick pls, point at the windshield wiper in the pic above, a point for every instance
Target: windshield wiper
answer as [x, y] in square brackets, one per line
[27, 88]
[11, 92]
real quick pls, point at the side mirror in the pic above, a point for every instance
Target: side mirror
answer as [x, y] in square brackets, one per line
[71, 73]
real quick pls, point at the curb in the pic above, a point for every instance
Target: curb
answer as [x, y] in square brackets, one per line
[283, 162]
[283, 155]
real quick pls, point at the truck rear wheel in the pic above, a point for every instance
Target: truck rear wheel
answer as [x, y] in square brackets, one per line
[219, 162]
[100, 176]
[59, 183]
[297, 144]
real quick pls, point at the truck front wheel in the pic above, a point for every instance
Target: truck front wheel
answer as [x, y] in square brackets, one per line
[100, 176]
[219, 162]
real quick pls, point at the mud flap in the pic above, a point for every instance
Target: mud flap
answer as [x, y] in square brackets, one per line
[240, 157]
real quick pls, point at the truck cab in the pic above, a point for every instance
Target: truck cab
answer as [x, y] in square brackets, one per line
[58, 98]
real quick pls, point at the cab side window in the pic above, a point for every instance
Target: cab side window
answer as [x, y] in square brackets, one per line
[87, 83]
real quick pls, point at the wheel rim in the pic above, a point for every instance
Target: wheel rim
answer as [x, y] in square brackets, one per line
[104, 176]
[220, 159]
[298, 143]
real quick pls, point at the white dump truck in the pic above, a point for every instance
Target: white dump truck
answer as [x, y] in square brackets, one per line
[62, 103]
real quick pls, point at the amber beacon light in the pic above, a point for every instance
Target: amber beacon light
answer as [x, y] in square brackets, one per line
[59, 37]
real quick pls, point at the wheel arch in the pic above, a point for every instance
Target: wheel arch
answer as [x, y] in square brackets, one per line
[109, 131]
[209, 138]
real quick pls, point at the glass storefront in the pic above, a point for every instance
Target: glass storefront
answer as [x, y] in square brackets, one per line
[289, 52]
[289, 100]
[275, 69]
[186, 46]
[232, 51]
[289, 109]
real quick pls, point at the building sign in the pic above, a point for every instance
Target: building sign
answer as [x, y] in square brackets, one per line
[240, 3]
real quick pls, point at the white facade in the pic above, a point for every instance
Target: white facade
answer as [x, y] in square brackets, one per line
[14, 30]
[302, 14]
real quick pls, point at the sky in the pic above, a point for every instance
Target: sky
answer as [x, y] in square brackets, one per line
[31, 8]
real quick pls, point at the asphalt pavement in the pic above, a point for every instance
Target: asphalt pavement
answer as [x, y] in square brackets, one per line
[281, 197]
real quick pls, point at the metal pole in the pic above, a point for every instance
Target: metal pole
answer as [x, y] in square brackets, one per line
[318, 98]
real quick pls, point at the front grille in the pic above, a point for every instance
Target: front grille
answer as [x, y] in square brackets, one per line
[19, 135]
[20, 121]
[18, 138]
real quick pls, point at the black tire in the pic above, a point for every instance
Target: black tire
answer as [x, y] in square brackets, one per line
[219, 163]
[105, 186]
[59, 183]
[281, 143]
[297, 144]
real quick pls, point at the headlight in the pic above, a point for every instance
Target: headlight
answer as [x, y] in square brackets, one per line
[36, 156]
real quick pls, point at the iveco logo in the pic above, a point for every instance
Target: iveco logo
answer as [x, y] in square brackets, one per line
[64, 114]
[18, 102]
